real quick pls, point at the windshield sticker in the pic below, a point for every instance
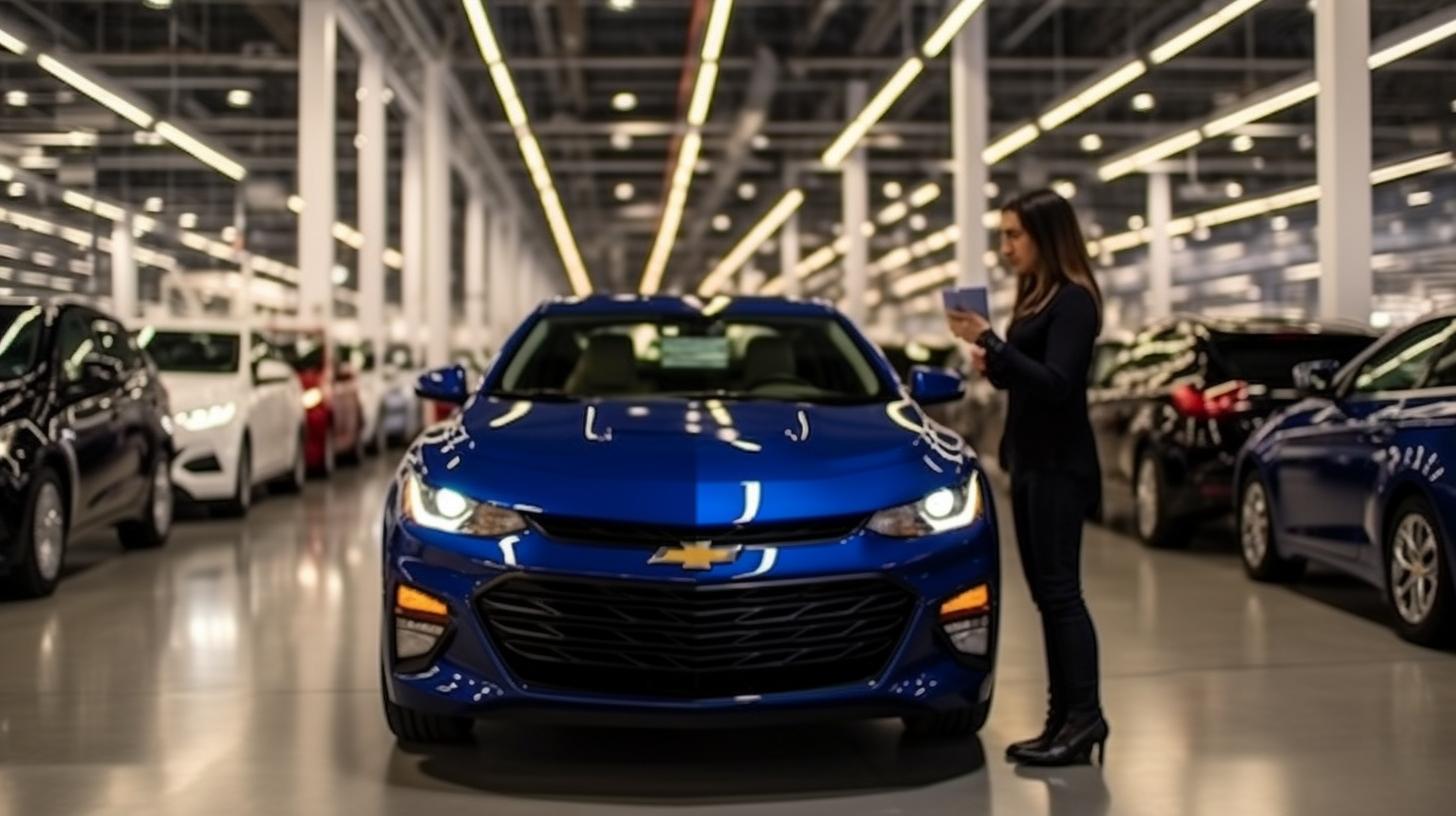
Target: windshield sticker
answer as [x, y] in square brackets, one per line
[695, 352]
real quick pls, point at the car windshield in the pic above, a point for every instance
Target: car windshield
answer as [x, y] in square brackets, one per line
[305, 352]
[19, 338]
[904, 358]
[192, 352]
[358, 358]
[1269, 359]
[400, 356]
[803, 359]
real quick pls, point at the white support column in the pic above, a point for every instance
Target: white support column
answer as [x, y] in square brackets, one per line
[496, 269]
[789, 242]
[412, 237]
[1159, 302]
[970, 122]
[1343, 131]
[372, 184]
[436, 159]
[856, 211]
[475, 270]
[123, 271]
[317, 181]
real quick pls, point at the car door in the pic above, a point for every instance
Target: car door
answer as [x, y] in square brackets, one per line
[114, 346]
[1120, 402]
[89, 416]
[1326, 471]
[278, 405]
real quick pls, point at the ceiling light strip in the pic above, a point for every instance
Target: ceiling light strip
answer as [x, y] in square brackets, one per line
[201, 151]
[689, 149]
[13, 44]
[949, 27]
[872, 113]
[1201, 30]
[98, 92]
[761, 231]
[1064, 112]
[530, 149]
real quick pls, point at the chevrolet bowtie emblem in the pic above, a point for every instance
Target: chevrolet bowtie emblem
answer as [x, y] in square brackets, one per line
[696, 555]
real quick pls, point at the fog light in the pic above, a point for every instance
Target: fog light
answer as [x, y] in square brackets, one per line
[974, 601]
[414, 638]
[970, 635]
[409, 600]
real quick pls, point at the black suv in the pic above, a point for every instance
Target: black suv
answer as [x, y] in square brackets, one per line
[1174, 407]
[84, 440]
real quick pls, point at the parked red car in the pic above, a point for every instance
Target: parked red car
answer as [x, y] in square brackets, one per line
[333, 416]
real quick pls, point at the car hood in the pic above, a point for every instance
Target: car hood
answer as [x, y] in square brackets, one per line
[692, 464]
[187, 391]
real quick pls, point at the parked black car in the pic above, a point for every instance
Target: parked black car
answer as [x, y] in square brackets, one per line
[84, 440]
[1172, 411]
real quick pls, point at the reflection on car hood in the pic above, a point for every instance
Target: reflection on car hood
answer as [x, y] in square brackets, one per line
[186, 391]
[692, 464]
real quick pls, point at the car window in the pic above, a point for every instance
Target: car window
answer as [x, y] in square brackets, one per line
[1152, 359]
[113, 343]
[1443, 372]
[20, 329]
[73, 343]
[1402, 364]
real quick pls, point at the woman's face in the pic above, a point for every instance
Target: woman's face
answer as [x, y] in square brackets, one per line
[1016, 246]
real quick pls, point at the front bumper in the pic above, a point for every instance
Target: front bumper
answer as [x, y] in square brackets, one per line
[206, 465]
[470, 675]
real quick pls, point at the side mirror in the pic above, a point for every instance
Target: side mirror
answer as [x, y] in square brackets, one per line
[99, 373]
[1316, 378]
[269, 372]
[447, 384]
[934, 386]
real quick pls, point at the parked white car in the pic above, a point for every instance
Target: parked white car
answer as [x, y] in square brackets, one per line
[238, 412]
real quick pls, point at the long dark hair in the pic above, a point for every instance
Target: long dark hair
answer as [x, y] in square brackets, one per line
[1052, 224]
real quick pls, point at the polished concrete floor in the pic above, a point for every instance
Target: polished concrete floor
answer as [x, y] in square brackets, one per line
[234, 672]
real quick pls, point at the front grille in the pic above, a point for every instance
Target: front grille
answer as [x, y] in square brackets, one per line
[694, 642]
[808, 531]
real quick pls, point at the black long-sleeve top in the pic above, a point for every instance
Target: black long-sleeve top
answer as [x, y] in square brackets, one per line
[1043, 366]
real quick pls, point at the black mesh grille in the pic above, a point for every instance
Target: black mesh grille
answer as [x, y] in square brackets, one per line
[694, 642]
[608, 532]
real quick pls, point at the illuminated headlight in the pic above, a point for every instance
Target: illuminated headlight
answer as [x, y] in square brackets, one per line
[312, 398]
[440, 508]
[949, 508]
[205, 419]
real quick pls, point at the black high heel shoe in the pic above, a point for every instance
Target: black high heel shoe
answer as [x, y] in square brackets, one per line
[1074, 744]
[1053, 725]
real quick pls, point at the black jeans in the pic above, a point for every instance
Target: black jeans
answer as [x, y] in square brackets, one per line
[1049, 510]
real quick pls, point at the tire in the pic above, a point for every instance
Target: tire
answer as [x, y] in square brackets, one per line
[1423, 612]
[42, 539]
[242, 499]
[419, 728]
[1151, 521]
[294, 479]
[956, 723]
[1258, 544]
[150, 531]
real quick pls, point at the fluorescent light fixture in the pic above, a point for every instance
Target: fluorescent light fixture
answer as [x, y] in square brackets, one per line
[722, 223]
[624, 191]
[1144, 102]
[760, 232]
[924, 194]
[531, 153]
[703, 94]
[1268, 106]
[1090, 143]
[1160, 150]
[1010, 143]
[121, 107]
[1201, 30]
[17, 99]
[747, 191]
[624, 101]
[893, 189]
[153, 204]
[1419, 198]
[239, 98]
[717, 30]
[950, 26]
[13, 43]
[202, 152]
[1064, 112]
[893, 212]
[295, 204]
[1411, 45]
[872, 113]
[1400, 170]
[1242, 143]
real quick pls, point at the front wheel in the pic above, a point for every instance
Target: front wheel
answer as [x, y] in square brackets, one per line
[1155, 527]
[957, 722]
[1257, 542]
[420, 728]
[151, 529]
[1419, 575]
[242, 498]
[297, 475]
[42, 539]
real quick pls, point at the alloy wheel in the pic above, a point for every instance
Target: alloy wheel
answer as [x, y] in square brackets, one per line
[1414, 568]
[48, 531]
[161, 499]
[1147, 498]
[1254, 524]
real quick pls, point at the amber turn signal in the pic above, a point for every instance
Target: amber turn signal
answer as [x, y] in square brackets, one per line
[408, 599]
[974, 601]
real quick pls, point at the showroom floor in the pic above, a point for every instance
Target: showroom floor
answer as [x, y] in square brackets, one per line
[234, 673]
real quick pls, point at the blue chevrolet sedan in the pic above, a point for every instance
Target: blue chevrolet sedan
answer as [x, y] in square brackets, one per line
[666, 510]
[1359, 476]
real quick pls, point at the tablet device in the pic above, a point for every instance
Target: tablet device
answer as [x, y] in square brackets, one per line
[967, 299]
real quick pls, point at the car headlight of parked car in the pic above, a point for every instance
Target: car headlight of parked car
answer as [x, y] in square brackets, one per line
[205, 419]
[440, 508]
[312, 398]
[942, 510]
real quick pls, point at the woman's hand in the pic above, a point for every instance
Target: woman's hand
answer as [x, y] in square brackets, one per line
[978, 359]
[968, 326]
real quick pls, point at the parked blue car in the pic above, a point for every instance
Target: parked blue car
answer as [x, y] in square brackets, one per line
[1360, 476]
[665, 511]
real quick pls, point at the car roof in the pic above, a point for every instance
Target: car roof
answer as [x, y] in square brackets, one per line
[1271, 325]
[687, 306]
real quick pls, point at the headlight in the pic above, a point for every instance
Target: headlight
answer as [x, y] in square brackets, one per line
[949, 508]
[205, 419]
[312, 398]
[440, 508]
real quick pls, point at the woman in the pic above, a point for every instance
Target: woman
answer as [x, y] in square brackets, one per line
[1049, 451]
